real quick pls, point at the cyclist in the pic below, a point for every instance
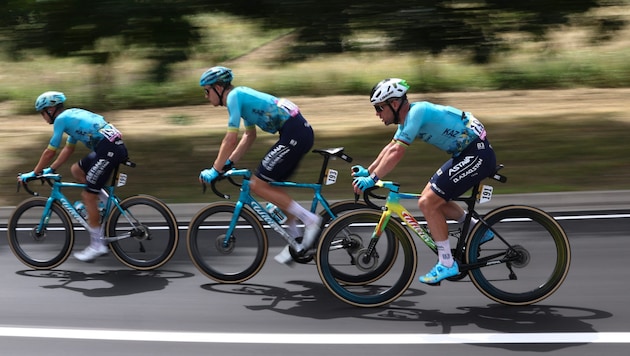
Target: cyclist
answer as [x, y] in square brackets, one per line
[272, 115]
[456, 132]
[108, 150]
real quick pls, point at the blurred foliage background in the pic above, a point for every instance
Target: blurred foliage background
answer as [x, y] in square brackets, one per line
[109, 55]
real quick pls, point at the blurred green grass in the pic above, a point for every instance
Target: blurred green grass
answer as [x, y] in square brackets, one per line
[539, 154]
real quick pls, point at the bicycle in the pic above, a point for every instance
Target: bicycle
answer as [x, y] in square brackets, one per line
[141, 230]
[524, 262]
[227, 241]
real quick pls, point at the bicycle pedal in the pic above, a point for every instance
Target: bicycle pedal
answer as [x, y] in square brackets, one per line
[437, 284]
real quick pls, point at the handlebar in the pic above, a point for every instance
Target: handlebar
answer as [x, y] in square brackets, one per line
[233, 172]
[44, 178]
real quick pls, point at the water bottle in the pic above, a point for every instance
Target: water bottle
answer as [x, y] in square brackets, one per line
[276, 213]
[78, 205]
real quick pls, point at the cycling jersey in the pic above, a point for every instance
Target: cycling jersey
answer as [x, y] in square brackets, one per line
[82, 125]
[444, 127]
[257, 109]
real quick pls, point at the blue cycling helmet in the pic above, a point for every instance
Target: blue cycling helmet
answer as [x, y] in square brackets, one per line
[48, 99]
[218, 74]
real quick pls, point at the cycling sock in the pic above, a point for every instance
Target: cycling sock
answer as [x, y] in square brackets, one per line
[444, 253]
[293, 229]
[96, 235]
[304, 215]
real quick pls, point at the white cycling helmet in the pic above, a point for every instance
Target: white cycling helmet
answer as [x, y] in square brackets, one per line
[386, 89]
[48, 99]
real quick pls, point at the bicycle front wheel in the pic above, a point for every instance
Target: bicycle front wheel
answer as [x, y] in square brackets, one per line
[339, 259]
[227, 259]
[336, 208]
[527, 259]
[40, 249]
[144, 233]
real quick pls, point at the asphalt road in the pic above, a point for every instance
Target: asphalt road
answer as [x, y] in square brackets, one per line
[103, 308]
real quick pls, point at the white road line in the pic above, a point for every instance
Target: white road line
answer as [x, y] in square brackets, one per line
[319, 339]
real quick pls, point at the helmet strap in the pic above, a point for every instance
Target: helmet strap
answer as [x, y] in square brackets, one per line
[52, 116]
[402, 100]
[220, 95]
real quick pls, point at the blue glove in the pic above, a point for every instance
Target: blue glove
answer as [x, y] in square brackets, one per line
[208, 175]
[48, 170]
[363, 183]
[359, 171]
[26, 176]
[228, 165]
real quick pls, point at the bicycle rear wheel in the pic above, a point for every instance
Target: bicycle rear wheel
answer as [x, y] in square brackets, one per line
[525, 262]
[148, 230]
[339, 259]
[241, 257]
[44, 249]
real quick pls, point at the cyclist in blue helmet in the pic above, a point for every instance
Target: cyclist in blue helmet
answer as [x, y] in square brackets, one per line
[107, 151]
[454, 131]
[272, 115]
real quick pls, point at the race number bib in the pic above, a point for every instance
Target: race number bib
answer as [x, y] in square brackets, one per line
[110, 133]
[476, 126]
[288, 106]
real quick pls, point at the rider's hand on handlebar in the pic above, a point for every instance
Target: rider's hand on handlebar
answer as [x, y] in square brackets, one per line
[26, 176]
[359, 171]
[48, 170]
[362, 183]
[228, 165]
[208, 175]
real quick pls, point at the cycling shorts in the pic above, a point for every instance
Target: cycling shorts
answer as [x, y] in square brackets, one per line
[457, 175]
[282, 159]
[100, 163]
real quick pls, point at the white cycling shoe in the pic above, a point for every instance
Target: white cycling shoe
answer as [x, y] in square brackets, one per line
[91, 252]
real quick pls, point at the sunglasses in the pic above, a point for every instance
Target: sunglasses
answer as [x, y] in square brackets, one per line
[379, 108]
[206, 91]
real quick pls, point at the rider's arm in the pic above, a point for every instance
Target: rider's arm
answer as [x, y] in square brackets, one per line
[65, 153]
[227, 147]
[380, 156]
[388, 159]
[45, 158]
[244, 144]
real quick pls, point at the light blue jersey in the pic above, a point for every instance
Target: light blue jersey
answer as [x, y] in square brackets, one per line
[444, 127]
[257, 109]
[81, 125]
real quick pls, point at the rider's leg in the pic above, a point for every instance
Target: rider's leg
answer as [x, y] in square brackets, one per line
[435, 210]
[283, 200]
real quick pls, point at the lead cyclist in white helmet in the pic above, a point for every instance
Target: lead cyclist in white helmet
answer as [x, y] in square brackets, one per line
[455, 132]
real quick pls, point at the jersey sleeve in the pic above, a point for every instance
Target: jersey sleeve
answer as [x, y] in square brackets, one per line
[58, 130]
[410, 129]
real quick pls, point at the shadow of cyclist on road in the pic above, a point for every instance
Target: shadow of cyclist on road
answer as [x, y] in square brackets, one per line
[315, 301]
[107, 283]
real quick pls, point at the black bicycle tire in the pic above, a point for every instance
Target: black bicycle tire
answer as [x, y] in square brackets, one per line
[199, 261]
[337, 287]
[556, 277]
[20, 253]
[169, 221]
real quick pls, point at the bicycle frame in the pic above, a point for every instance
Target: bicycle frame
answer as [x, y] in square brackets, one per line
[57, 195]
[393, 206]
[245, 198]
